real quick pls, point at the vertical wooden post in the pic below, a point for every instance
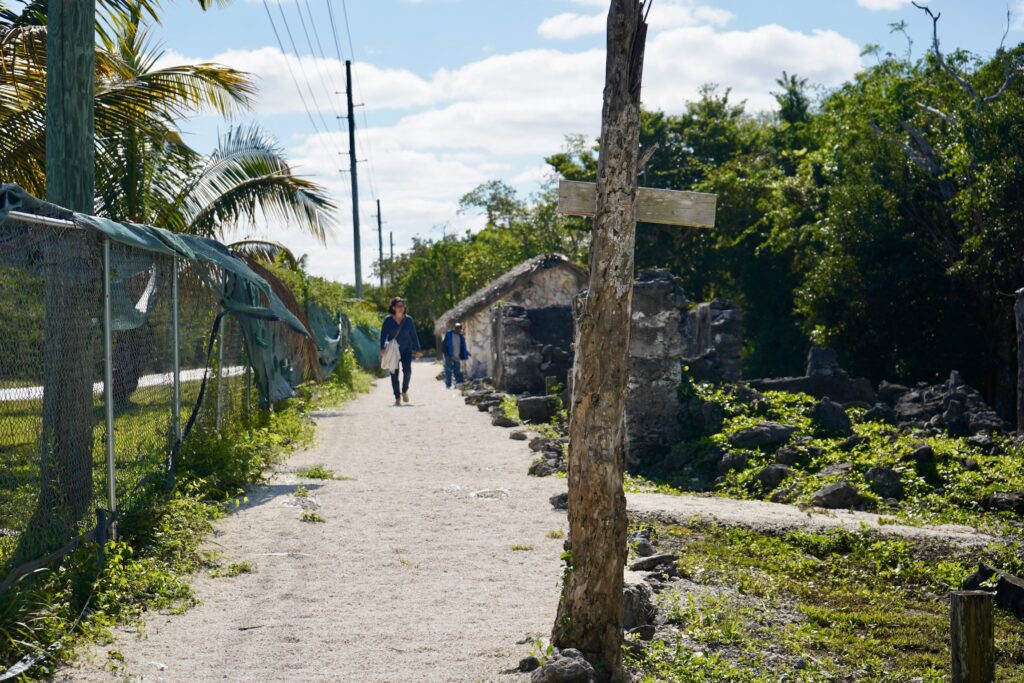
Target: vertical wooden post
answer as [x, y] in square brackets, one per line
[973, 644]
[1018, 310]
[590, 610]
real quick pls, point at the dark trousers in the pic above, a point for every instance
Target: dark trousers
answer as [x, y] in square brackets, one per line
[406, 373]
[452, 366]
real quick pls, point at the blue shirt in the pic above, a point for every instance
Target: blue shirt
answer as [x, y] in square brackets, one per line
[408, 340]
[449, 352]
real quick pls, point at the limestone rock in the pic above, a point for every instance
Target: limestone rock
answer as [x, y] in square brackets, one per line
[881, 412]
[644, 548]
[638, 608]
[841, 494]
[922, 454]
[542, 468]
[1009, 501]
[836, 468]
[764, 435]
[564, 669]
[646, 564]
[772, 475]
[1009, 589]
[886, 482]
[559, 501]
[733, 461]
[528, 664]
[890, 393]
[500, 419]
[830, 418]
[537, 408]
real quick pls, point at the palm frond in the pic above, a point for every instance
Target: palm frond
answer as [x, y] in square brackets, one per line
[264, 251]
[248, 177]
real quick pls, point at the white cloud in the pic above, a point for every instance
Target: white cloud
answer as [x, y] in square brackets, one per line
[664, 15]
[1017, 16]
[499, 116]
[875, 5]
[569, 25]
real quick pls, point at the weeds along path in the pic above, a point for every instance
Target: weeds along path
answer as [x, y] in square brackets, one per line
[412, 576]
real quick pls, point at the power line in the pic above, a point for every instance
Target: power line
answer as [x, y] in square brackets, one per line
[287, 63]
[319, 50]
[291, 39]
[366, 123]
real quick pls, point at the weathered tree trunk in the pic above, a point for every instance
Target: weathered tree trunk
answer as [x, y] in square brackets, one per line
[68, 363]
[590, 610]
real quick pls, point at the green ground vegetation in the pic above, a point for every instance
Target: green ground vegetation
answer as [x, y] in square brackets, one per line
[838, 605]
[161, 531]
[950, 489]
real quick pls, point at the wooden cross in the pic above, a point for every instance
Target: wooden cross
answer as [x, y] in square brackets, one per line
[667, 207]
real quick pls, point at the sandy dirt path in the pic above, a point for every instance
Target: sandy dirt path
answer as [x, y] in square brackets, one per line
[412, 577]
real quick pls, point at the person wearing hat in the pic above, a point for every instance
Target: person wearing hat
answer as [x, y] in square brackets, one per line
[455, 351]
[400, 327]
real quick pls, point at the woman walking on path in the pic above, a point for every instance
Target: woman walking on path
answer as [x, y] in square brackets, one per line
[401, 328]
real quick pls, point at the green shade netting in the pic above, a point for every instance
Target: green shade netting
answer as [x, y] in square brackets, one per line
[136, 253]
[366, 345]
[331, 332]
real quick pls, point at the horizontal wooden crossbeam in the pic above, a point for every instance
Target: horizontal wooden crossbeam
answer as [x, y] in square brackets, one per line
[667, 207]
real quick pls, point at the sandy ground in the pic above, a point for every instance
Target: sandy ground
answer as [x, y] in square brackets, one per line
[412, 577]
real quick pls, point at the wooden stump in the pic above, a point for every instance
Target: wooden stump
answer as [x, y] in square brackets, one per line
[973, 643]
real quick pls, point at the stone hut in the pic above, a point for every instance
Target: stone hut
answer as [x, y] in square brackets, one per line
[546, 281]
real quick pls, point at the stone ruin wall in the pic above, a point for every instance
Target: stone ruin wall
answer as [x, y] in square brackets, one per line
[546, 288]
[668, 332]
[529, 346]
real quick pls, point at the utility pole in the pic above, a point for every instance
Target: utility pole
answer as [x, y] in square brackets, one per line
[356, 247]
[380, 245]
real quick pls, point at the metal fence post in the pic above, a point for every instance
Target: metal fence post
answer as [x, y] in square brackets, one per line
[220, 376]
[108, 381]
[176, 372]
[248, 391]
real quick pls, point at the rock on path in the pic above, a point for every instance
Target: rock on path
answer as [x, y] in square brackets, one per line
[777, 518]
[411, 578]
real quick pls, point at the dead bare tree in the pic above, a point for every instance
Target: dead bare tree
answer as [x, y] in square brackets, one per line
[590, 610]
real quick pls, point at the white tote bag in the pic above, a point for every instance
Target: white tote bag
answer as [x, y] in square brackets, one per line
[392, 358]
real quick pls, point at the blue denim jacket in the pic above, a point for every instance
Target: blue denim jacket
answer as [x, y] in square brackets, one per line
[408, 340]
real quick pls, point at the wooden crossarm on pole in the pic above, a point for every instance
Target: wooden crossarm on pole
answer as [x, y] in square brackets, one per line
[667, 207]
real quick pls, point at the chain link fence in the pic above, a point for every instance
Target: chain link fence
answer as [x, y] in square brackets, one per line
[105, 351]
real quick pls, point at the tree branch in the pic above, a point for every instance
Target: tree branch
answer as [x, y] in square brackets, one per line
[953, 73]
[948, 118]
[1013, 69]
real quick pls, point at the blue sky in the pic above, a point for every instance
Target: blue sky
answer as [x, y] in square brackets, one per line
[458, 92]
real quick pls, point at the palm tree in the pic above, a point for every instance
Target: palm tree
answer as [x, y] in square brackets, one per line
[145, 172]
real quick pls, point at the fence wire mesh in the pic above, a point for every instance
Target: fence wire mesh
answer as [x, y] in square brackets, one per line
[53, 407]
